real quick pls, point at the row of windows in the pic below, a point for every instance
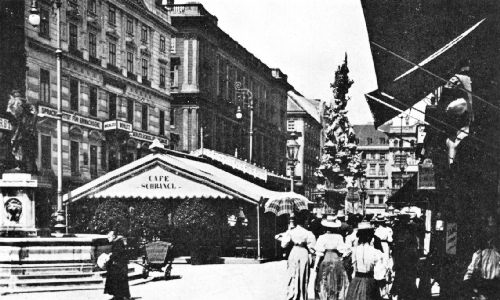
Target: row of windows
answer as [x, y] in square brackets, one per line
[112, 45]
[91, 159]
[376, 199]
[374, 184]
[228, 75]
[381, 141]
[110, 156]
[401, 143]
[74, 96]
[372, 169]
[231, 138]
[374, 155]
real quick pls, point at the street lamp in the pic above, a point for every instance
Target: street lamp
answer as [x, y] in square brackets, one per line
[401, 155]
[34, 17]
[363, 195]
[34, 20]
[292, 150]
[242, 92]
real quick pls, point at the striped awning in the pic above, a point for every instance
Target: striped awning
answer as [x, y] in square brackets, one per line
[159, 183]
[171, 176]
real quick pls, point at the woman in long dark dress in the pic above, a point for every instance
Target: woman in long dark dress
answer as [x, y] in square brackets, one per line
[117, 269]
[331, 279]
[364, 259]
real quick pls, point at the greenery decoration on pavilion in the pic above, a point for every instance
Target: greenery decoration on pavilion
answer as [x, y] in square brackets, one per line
[339, 157]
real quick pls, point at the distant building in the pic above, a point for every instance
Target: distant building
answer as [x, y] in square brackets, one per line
[205, 65]
[389, 156]
[402, 133]
[304, 119]
[376, 155]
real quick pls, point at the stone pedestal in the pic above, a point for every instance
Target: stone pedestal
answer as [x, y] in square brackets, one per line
[17, 204]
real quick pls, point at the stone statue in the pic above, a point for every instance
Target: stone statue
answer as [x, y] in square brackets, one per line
[24, 138]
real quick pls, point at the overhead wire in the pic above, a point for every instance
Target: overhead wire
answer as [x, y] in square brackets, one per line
[447, 156]
[434, 75]
[495, 159]
[440, 121]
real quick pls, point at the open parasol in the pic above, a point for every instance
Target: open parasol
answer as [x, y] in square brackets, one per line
[286, 203]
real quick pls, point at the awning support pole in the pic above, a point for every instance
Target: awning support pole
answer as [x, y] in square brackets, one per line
[258, 231]
[275, 242]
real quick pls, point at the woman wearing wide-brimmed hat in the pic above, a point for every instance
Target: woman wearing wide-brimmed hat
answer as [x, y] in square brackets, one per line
[365, 260]
[331, 279]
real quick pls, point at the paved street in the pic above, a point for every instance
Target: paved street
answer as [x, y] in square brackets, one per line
[230, 281]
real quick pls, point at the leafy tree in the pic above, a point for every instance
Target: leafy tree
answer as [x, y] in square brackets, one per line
[111, 215]
[339, 157]
[200, 224]
[148, 219]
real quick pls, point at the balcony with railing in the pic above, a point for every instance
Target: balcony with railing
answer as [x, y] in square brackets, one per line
[94, 60]
[405, 129]
[114, 68]
[131, 75]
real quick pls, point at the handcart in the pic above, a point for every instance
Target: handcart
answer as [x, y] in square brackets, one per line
[159, 254]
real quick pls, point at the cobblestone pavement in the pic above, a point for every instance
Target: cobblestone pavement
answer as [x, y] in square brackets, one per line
[231, 281]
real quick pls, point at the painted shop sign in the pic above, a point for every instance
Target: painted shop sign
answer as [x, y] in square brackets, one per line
[425, 178]
[5, 124]
[70, 118]
[147, 137]
[159, 182]
[116, 124]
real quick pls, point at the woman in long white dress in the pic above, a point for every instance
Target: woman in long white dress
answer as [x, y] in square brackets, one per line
[331, 278]
[298, 267]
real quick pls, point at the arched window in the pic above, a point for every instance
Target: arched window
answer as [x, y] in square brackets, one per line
[96, 143]
[75, 135]
[127, 152]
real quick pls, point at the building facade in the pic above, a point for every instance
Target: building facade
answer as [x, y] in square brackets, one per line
[205, 66]
[402, 136]
[389, 157]
[303, 118]
[376, 155]
[115, 87]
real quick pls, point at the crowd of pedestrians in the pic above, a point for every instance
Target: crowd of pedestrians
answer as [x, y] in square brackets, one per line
[352, 258]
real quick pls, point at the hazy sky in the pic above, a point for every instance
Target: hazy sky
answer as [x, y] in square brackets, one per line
[306, 40]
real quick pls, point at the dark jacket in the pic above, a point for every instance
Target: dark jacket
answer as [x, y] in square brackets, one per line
[117, 270]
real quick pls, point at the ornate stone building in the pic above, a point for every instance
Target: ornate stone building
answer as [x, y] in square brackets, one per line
[115, 85]
[205, 65]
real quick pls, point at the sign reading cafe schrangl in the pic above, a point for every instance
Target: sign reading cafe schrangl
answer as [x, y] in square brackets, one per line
[159, 182]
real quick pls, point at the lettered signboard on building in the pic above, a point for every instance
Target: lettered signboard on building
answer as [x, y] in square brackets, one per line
[425, 178]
